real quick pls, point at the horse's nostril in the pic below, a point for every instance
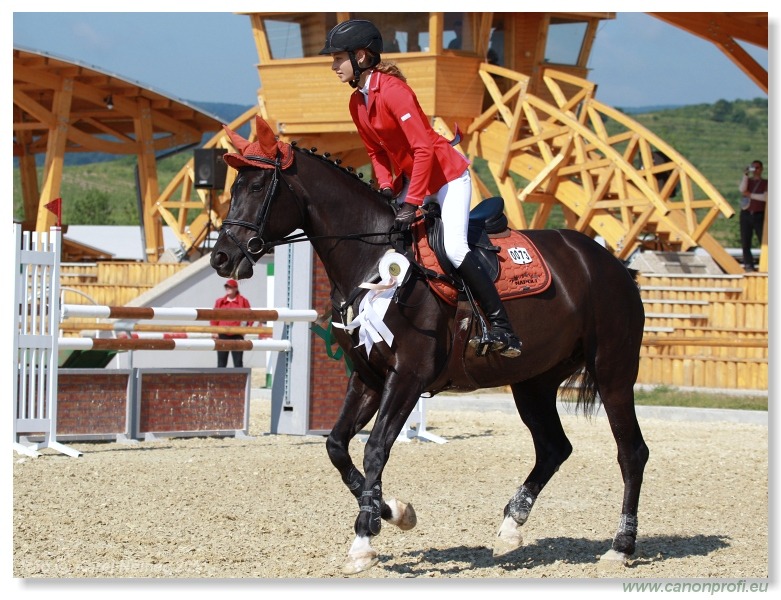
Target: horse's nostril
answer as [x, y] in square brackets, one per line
[218, 259]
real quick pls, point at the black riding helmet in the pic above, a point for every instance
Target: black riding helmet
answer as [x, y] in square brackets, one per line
[353, 35]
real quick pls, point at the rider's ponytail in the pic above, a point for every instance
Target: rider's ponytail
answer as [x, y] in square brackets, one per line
[390, 68]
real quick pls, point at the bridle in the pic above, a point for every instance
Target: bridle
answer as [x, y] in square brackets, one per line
[255, 245]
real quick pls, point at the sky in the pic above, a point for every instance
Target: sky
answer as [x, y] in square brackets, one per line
[637, 60]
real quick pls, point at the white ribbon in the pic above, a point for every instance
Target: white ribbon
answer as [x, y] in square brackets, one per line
[371, 312]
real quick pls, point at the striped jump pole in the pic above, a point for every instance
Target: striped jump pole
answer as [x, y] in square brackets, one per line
[157, 335]
[186, 314]
[133, 326]
[172, 344]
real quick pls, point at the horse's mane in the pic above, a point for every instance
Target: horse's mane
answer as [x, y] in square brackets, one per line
[336, 163]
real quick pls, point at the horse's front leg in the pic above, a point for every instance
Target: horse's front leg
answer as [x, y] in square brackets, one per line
[359, 407]
[398, 399]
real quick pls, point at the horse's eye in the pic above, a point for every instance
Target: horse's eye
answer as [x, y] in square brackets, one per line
[255, 187]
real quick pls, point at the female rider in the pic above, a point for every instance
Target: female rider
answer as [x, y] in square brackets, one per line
[400, 140]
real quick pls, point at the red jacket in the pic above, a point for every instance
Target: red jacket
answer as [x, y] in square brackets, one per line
[238, 302]
[399, 139]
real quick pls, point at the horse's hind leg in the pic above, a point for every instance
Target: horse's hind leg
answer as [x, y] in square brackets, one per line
[536, 403]
[359, 407]
[618, 402]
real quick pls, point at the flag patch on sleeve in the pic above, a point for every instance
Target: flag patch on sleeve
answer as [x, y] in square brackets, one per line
[405, 117]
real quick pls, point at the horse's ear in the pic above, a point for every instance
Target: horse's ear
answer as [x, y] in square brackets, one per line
[238, 142]
[266, 138]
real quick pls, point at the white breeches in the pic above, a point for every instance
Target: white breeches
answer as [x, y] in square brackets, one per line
[455, 199]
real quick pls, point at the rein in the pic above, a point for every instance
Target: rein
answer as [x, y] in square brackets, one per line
[256, 246]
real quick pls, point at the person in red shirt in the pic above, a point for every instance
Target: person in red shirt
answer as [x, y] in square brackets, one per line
[232, 299]
[753, 190]
[412, 163]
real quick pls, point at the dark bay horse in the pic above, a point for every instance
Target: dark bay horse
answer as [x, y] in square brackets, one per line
[588, 323]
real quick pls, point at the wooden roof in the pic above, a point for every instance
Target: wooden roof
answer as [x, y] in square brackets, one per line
[103, 108]
[725, 30]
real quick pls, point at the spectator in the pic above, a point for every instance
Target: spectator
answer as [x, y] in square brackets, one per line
[456, 42]
[232, 299]
[752, 210]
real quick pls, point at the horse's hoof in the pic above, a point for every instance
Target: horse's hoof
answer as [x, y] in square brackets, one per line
[613, 558]
[360, 563]
[403, 515]
[508, 538]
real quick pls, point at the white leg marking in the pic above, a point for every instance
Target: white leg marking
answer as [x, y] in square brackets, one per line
[402, 515]
[508, 538]
[612, 557]
[360, 557]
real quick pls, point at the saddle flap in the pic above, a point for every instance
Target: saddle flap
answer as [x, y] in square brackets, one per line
[477, 239]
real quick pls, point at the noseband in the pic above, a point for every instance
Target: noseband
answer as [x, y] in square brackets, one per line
[255, 245]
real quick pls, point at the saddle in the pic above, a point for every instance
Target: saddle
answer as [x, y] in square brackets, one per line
[510, 257]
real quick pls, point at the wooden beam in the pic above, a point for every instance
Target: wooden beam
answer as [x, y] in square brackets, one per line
[147, 174]
[55, 155]
[717, 27]
[29, 179]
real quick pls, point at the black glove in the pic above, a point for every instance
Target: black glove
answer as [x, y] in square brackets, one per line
[406, 215]
[387, 193]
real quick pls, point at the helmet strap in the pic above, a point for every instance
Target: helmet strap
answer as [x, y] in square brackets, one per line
[358, 70]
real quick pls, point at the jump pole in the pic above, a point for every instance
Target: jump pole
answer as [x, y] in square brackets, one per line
[74, 343]
[186, 314]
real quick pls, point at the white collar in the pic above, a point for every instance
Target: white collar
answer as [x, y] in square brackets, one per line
[365, 88]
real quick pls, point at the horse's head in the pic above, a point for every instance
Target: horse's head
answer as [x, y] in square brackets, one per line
[257, 216]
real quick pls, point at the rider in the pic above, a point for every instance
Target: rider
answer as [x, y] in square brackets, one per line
[399, 138]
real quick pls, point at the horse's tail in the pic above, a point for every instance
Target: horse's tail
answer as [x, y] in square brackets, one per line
[581, 389]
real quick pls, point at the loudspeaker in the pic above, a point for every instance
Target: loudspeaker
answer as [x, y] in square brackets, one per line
[210, 169]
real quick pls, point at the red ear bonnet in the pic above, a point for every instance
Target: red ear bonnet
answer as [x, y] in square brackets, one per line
[266, 146]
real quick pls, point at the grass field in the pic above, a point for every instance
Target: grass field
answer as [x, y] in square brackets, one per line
[670, 396]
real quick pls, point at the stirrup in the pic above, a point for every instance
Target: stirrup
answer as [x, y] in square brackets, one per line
[512, 348]
[507, 344]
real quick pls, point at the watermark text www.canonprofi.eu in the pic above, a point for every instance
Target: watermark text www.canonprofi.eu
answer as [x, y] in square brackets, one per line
[703, 587]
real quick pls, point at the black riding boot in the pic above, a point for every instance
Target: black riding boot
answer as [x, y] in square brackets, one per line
[502, 337]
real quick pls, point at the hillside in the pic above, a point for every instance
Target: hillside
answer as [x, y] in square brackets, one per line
[718, 139]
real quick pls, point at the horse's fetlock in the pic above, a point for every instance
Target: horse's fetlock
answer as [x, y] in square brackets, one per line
[520, 505]
[626, 536]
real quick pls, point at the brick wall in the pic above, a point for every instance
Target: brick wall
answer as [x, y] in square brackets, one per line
[328, 377]
[92, 403]
[192, 401]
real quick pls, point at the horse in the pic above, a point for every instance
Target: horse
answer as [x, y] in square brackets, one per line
[587, 325]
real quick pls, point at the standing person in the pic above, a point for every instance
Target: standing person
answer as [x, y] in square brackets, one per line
[412, 162]
[752, 210]
[231, 299]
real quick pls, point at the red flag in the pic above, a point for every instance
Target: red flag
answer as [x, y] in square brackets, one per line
[55, 206]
